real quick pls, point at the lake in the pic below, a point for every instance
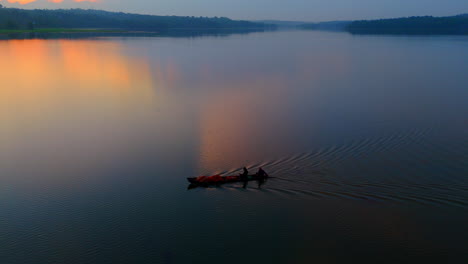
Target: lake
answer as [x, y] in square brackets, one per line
[366, 138]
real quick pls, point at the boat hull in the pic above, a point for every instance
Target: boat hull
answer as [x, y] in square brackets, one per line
[206, 181]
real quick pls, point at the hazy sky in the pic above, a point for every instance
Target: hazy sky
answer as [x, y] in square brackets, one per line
[310, 10]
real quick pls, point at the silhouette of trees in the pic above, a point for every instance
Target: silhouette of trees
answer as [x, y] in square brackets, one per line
[412, 25]
[10, 24]
[80, 18]
[31, 26]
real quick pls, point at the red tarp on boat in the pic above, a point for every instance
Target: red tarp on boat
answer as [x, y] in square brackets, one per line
[215, 179]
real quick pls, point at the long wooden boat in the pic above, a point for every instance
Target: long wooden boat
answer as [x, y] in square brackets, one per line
[217, 179]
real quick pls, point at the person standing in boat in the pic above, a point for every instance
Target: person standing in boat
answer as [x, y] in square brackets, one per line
[261, 173]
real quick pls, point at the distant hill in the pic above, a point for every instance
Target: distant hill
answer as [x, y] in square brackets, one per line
[13, 18]
[331, 26]
[457, 25]
[282, 23]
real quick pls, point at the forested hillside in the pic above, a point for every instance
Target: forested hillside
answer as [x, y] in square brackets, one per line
[13, 18]
[412, 25]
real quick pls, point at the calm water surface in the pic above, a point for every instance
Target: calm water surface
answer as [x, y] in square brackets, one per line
[367, 137]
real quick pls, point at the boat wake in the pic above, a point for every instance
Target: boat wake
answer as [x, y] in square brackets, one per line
[408, 167]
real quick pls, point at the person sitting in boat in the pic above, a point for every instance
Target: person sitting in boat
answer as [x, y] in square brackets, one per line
[262, 173]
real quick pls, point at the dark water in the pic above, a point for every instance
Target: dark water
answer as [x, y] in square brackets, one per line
[366, 136]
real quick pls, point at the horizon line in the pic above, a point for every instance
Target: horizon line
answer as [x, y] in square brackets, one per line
[239, 19]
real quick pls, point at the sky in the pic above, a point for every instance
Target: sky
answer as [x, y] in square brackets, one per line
[293, 10]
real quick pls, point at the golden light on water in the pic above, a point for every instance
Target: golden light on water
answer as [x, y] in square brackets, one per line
[39, 66]
[55, 77]
[235, 126]
[37, 70]
[67, 105]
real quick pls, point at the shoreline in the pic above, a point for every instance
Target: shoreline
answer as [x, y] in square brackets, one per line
[62, 30]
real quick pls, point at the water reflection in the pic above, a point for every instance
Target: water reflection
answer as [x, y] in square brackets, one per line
[70, 106]
[173, 33]
[364, 138]
[235, 127]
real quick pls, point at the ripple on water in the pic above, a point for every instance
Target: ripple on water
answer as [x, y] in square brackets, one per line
[398, 168]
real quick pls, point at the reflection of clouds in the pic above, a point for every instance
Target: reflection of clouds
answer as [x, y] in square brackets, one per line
[35, 71]
[91, 63]
[236, 125]
[69, 106]
[247, 118]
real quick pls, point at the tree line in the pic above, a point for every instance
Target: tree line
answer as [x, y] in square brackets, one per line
[457, 25]
[14, 18]
[412, 25]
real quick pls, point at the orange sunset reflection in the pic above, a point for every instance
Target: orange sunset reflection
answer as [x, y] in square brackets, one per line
[73, 102]
[32, 72]
[236, 128]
